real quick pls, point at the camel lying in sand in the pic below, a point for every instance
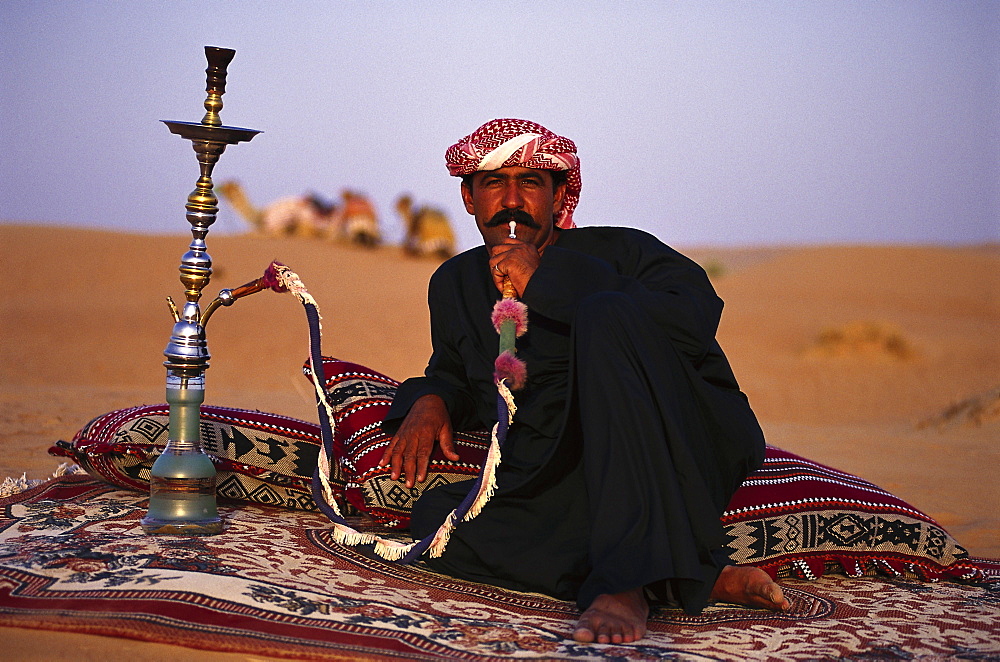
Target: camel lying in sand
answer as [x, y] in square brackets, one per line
[358, 219]
[428, 231]
[300, 216]
[354, 220]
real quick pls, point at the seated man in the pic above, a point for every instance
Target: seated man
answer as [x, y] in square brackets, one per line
[631, 433]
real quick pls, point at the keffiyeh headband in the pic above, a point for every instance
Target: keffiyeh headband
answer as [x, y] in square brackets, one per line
[502, 143]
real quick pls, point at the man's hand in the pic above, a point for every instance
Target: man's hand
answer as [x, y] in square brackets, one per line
[516, 259]
[409, 451]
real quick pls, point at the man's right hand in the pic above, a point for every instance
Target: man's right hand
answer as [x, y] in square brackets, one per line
[409, 452]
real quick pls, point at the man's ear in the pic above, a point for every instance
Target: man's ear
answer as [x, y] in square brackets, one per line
[467, 198]
[558, 195]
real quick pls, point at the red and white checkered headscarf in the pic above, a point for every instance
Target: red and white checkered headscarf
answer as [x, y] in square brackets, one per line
[509, 142]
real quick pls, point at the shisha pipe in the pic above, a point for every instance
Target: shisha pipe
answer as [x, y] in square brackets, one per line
[182, 479]
[510, 317]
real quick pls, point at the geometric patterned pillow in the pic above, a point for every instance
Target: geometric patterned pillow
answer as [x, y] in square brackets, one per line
[792, 517]
[360, 398]
[270, 459]
[795, 517]
[262, 458]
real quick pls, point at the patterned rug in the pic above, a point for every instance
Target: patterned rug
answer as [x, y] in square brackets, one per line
[73, 558]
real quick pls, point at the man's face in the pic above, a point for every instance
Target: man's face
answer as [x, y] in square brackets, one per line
[494, 194]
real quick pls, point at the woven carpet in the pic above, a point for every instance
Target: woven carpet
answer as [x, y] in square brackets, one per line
[73, 558]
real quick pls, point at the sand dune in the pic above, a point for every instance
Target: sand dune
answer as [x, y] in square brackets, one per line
[810, 332]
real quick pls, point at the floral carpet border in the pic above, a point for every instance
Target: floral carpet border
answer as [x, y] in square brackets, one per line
[73, 558]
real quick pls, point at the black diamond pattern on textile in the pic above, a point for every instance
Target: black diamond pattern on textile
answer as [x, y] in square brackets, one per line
[231, 488]
[302, 501]
[399, 496]
[847, 528]
[389, 493]
[264, 494]
[275, 478]
[793, 533]
[937, 542]
[148, 428]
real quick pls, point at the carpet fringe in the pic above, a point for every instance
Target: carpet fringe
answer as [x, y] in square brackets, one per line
[12, 486]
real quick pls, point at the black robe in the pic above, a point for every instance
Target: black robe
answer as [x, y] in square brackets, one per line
[630, 436]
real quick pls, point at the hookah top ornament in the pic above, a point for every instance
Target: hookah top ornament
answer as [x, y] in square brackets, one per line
[187, 351]
[211, 128]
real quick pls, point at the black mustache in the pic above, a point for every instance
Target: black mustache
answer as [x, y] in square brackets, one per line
[505, 216]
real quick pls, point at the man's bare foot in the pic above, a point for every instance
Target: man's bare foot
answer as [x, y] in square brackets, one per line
[618, 618]
[747, 585]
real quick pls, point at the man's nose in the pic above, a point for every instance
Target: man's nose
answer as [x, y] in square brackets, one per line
[512, 198]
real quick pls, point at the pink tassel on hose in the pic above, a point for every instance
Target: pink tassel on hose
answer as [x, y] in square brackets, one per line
[511, 309]
[509, 367]
[271, 280]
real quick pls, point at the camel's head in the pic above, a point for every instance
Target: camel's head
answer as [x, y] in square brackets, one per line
[228, 187]
[404, 205]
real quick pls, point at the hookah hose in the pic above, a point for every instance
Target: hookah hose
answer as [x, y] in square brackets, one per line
[509, 317]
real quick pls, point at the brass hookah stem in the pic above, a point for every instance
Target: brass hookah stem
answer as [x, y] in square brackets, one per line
[508, 289]
[202, 204]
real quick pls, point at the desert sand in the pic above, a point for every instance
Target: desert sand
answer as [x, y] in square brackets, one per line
[85, 320]
[878, 360]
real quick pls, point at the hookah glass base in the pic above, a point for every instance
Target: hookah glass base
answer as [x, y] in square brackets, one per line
[182, 506]
[182, 495]
[182, 479]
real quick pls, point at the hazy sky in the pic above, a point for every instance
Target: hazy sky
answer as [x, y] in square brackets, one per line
[703, 122]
